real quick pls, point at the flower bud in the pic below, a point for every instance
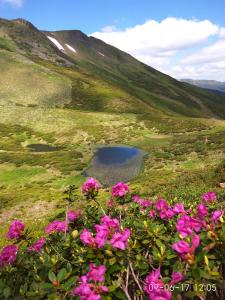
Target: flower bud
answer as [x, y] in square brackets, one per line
[75, 234]
[206, 260]
[54, 260]
[41, 258]
[108, 252]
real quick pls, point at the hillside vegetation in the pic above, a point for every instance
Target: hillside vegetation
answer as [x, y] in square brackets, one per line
[81, 100]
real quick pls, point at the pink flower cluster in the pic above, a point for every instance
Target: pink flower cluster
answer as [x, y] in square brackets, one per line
[209, 197]
[142, 202]
[38, 245]
[120, 190]
[202, 211]
[164, 211]
[74, 215]
[186, 251]
[91, 186]
[108, 229]
[90, 287]
[187, 225]
[56, 226]
[8, 255]
[155, 287]
[15, 230]
[216, 215]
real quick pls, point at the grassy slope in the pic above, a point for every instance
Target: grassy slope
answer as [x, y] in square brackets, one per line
[150, 86]
[26, 83]
[107, 108]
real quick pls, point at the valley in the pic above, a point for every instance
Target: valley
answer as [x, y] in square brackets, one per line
[80, 100]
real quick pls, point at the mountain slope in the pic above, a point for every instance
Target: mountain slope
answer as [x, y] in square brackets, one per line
[151, 86]
[100, 77]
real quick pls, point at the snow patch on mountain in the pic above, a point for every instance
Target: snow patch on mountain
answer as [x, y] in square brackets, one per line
[56, 43]
[101, 53]
[71, 48]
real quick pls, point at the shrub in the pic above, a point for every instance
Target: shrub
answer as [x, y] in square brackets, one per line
[130, 248]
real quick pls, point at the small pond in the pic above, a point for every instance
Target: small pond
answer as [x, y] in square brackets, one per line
[112, 164]
[43, 148]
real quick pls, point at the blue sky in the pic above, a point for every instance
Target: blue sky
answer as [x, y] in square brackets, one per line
[170, 35]
[92, 15]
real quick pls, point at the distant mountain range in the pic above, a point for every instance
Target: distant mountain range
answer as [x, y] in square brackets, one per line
[70, 69]
[207, 84]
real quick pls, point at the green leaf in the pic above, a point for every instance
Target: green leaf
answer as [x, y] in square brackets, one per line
[196, 273]
[62, 275]
[47, 286]
[113, 269]
[51, 276]
[69, 283]
[120, 295]
[145, 242]
[7, 292]
[112, 261]
[69, 267]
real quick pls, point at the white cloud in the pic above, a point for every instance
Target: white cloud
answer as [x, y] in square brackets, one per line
[222, 32]
[212, 53]
[207, 63]
[152, 36]
[162, 45]
[108, 29]
[16, 3]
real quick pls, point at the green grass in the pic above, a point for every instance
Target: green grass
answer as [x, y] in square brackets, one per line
[18, 176]
[25, 83]
[97, 102]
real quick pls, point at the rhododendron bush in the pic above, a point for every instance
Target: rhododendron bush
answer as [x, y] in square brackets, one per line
[127, 248]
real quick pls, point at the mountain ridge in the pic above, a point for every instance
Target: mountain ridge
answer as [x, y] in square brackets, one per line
[207, 84]
[104, 78]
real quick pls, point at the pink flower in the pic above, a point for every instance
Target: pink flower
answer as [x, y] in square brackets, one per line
[8, 255]
[170, 213]
[152, 280]
[209, 197]
[120, 190]
[74, 215]
[181, 247]
[87, 237]
[102, 235]
[15, 230]
[142, 202]
[96, 273]
[152, 214]
[160, 294]
[84, 290]
[120, 239]
[195, 243]
[186, 225]
[216, 215]
[38, 245]
[88, 288]
[56, 226]
[91, 186]
[154, 287]
[176, 277]
[178, 208]
[161, 204]
[202, 211]
[110, 204]
[111, 223]
[166, 213]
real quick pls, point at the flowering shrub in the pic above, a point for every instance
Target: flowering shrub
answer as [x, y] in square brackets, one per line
[127, 248]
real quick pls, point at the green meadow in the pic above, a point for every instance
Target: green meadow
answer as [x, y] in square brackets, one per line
[81, 102]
